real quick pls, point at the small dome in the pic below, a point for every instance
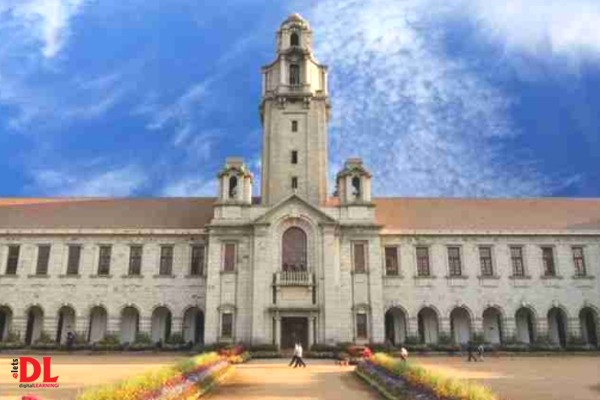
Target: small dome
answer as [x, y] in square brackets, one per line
[295, 18]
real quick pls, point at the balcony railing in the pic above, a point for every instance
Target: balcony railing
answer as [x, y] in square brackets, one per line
[294, 278]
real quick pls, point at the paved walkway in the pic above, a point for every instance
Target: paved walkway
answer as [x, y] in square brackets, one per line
[273, 379]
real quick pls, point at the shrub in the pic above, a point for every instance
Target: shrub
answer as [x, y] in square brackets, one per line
[321, 348]
[263, 347]
[412, 340]
[176, 338]
[478, 338]
[110, 339]
[142, 338]
[45, 338]
[445, 338]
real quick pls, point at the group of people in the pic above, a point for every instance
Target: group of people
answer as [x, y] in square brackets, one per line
[471, 349]
[297, 360]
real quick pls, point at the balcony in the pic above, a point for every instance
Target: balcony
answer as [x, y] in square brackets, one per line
[294, 278]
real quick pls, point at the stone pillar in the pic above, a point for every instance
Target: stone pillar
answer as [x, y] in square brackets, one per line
[477, 326]
[145, 325]
[82, 326]
[50, 326]
[573, 328]
[113, 325]
[541, 327]
[19, 326]
[278, 331]
[311, 324]
[177, 325]
[444, 327]
[412, 327]
[509, 328]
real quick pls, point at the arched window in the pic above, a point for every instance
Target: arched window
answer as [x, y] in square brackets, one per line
[293, 257]
[294, 39]
[356, 187]
[233, 187]
[294, 74]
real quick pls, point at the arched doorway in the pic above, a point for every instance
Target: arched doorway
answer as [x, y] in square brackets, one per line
[161, 324]
[293, 250]
[525, 322]
[588, 320]
[492, 325]
[98, 324]
[557, 326]
[35, 325]
[395, 326]
[460, 325]
[5, 322]
[428, 325]
[130, 321]
[66, 323]
[193, 325]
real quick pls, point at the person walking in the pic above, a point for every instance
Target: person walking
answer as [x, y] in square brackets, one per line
[403, 354]
[294, 360]
[470, 349]
[480, 352]
[299, 360]
[70, 340]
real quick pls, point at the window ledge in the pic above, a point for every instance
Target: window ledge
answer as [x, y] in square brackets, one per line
[9, 276]
[395, 276]
[550, 277]
[128, 276]
[359, 272]
[101, 276]
[234, 272]
[38, 276]
[163, 276]
[70, 276]
[194, 276]
[457, 277]
[519, 277]
[495, 277]
[425, 277]
[583, 277]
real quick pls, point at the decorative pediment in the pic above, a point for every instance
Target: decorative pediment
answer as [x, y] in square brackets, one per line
[295, 207]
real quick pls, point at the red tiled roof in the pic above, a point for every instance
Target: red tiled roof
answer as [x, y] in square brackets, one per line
[488, 214]
[105, 213]
[392, 213]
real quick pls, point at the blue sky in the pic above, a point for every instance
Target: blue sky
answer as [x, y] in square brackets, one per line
[147, 98]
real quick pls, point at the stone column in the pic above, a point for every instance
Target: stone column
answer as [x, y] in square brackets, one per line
[311, 324]
[444, 327]
[19, 326]
[82, 326]
[177, 325]
[509, 327]
[477, 326]
[50, 325]
[145, 325]
[412, 327]
[278, 331]
[541, 327]
[113, 325]
[573, 328]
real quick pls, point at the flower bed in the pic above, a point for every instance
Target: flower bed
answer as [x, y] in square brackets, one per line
[190, 378]
[396, 379]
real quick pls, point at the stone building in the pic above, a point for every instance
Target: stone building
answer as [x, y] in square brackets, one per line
[298, 263]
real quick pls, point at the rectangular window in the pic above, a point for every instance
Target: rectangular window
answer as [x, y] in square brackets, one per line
[135, 260]
[227, 325]
[197, 267]
[166, 260]
[391, 261]
[104, 260]
[485, 259]
[579, 261]
[229, 257]
[548, 260]
[361, 326]
[43, 259]
[360, 257]
[12, 261]
[294, 157]
[294, 126]
[423, 261]
[454, 264]
[516, 256]
[294, 182]
[73, 259]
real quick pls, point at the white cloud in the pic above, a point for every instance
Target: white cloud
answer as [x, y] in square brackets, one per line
[47, 20]
[563, 28]
[425, 124]
[191, 186]
[85, 181]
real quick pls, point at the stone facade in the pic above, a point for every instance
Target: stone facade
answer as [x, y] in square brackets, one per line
[359, 269]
